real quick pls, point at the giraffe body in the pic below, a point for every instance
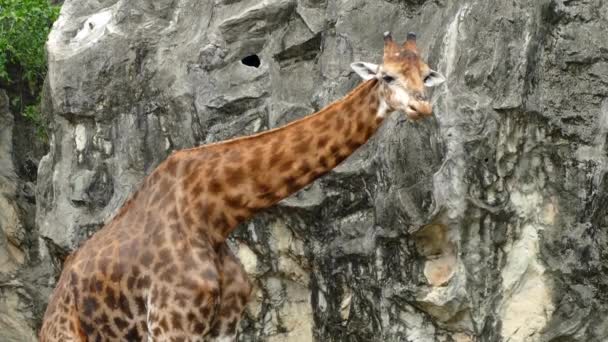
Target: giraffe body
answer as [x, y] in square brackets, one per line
[160, 270]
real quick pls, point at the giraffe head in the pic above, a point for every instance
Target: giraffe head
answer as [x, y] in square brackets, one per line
[403, 78]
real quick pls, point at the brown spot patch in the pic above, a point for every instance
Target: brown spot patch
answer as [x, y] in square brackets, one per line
[120, 323]
[339, 123]
[352, 144]
[244, 298]
[199, 328]
[165, 257]
[164, 186]
[234, 176]
[173, 214]
[322, 142]
[190, 167]
[263, 188]
[221, 222]
[95, 285]
[146, 259]
[269, 196]
[196, 190]
[257, 151]
[233, 156]
[199, 300]
[133, 334]
[73, 278]
[286, 166]
[340, 157]
[206, 211]
[334, 149]
[304, 167]
[205, 311]
[110, 298]
[118, 270]
[210, 274]
[143, 282]
[154, 177]
[167, 275]
[176, 320]
[323, 162]
[301, 147]
[299, 135]
[140, 304]
[181, 299]
[291, 183]
[157, 331]
[254, 163]
[346, 129]
[123, 305]
[107, 329]
[360, 127]
[172, 167]
[188, 220]
[88, 328]
[318, 122]
[234, 201]
[164, 324]
[131, 281]
[215, 186]
[103, 264]
[89, 305]
[275, 158]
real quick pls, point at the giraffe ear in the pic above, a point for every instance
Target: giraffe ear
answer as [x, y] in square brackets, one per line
[433, 78]
[367, 71]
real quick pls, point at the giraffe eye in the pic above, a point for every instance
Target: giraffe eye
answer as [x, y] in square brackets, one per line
[388, 79]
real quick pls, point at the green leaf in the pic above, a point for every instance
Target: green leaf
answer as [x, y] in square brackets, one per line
[24, 27]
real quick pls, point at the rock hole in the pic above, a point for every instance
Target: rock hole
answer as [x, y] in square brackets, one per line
[252, 61]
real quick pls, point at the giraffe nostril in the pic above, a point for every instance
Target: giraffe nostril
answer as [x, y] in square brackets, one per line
[420, 97]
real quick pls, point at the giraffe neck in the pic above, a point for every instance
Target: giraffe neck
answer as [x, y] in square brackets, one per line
[215, 187]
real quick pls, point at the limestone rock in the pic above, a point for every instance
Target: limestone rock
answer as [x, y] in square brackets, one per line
[487, 222]
[23, 276]
[12, 232]
[14, 315]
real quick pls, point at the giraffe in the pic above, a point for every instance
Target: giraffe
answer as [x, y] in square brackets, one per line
[160, 270]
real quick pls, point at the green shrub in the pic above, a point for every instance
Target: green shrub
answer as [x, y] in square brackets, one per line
[24, 27]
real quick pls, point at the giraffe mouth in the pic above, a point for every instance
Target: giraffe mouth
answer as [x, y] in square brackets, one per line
[418, 110]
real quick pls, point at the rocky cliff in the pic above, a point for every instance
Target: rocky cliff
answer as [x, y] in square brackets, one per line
[488, 222]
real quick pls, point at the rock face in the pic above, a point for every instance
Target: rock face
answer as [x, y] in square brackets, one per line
[487, 223]
[22, 273]
[12, 235]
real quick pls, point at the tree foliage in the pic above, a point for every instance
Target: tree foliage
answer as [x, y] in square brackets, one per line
[24, 27]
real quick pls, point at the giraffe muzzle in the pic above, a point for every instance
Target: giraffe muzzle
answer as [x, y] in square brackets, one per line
[419, 109]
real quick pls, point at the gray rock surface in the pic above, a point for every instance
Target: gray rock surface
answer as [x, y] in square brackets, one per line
[487, 223]
[22, 293]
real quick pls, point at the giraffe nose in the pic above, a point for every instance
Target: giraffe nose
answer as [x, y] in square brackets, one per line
[419, 109]
[420, 96]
